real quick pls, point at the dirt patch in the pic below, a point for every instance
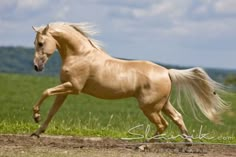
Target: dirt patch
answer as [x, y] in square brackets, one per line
[23, 145]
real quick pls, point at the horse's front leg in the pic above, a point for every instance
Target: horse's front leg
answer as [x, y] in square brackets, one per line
[65, 88]
[61, 91]
[57, 104]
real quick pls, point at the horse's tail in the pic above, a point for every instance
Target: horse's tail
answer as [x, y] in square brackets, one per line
[200, 90]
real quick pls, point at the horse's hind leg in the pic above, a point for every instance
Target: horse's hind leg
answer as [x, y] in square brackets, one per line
[177, 118]
[155, 117]
[164, 122]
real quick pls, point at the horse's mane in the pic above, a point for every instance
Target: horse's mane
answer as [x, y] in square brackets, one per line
[86, 29]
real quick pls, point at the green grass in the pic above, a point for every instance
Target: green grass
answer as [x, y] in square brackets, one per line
[84, 115]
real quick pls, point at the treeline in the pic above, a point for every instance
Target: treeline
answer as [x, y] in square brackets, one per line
[20, 60]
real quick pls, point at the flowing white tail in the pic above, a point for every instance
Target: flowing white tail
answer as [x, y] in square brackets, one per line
[199, 89]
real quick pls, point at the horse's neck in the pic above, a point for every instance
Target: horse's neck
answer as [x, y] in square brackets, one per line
[86, 52]
[72, 46]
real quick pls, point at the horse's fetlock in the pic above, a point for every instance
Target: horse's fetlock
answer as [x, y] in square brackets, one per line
[37, 115]
[177, 118]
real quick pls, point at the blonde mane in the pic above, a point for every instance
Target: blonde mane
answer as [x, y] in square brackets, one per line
[86, 29]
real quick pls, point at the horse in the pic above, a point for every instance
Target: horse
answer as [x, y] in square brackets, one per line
[87, 68]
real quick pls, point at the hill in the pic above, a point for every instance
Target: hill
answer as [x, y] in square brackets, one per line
[20, 60]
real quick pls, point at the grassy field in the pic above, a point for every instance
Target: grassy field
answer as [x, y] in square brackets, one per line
[84, 115]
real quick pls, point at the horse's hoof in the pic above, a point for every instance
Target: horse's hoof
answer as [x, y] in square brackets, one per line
[37, 119]
[35, 135]
[188, 142]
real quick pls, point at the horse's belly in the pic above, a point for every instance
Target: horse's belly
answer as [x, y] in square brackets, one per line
[106, 91]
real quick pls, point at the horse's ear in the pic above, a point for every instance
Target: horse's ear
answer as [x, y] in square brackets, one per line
[36, 29]
[46, 29]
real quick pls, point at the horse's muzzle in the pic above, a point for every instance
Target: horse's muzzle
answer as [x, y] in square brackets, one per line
[38, 68]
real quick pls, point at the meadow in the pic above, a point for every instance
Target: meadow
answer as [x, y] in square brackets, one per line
[84, 115]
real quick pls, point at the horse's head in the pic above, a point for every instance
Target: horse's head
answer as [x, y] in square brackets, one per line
[45, 46]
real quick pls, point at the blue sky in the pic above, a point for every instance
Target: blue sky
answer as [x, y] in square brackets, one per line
[181, 32]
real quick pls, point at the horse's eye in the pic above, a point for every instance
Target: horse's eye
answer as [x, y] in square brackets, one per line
[40, 44]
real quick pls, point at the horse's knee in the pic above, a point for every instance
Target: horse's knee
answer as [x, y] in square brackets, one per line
[46, 92]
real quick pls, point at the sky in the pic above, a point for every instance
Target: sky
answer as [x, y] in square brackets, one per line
[180, 32]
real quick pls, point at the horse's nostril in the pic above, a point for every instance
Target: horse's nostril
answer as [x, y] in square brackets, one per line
[36, 68]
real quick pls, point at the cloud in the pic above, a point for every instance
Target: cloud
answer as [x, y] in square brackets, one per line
[156, 9]
[30, 4]
[174, 19]
[180, 18]
[62, 14]
[6, 4]
[225, 6]
[131, 25]
[23, 5]
[163, 8]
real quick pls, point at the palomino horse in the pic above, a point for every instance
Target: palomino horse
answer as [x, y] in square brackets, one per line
[88, 69]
